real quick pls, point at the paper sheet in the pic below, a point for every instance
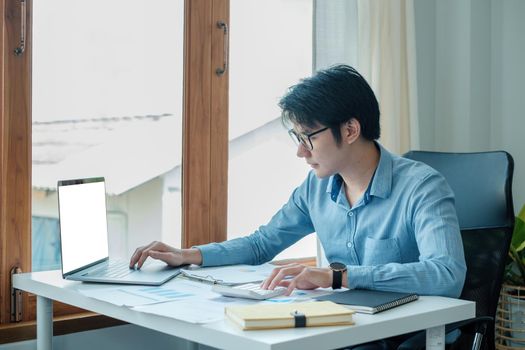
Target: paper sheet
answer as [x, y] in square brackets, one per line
[230, 275]
[176, 289]
[200, 311]
[193, 310]
[188, 300]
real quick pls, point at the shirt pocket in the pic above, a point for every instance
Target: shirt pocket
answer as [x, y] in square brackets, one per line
[381, 251]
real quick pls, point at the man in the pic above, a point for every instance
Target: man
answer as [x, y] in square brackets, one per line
[385, 222]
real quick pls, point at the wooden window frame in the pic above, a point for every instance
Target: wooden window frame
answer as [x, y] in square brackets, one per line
[205, 137]
[204, 163]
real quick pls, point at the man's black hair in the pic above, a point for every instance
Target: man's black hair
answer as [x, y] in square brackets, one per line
[330, 98]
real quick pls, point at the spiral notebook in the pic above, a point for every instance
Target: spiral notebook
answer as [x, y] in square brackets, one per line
[369, 301]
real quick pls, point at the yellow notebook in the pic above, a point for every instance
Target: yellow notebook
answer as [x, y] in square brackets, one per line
[308, 314]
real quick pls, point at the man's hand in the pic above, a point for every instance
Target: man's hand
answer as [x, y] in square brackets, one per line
[305, 277]
[171, 256]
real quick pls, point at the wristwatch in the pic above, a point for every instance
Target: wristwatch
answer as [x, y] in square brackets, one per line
[337, 274]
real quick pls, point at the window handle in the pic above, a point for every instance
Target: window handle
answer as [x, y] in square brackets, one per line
[20, 50]
[222, 25]
[16, 298]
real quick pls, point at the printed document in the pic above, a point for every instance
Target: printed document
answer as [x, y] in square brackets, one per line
[229, 275]
[122, 295]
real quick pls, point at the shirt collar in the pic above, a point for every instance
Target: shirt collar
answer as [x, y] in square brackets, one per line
[334, 186]
[381, 180]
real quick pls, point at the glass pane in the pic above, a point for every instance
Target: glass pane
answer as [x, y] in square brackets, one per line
[107, 101]
[271, 49]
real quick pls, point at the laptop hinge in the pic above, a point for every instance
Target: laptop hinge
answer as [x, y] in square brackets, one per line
[16, 298]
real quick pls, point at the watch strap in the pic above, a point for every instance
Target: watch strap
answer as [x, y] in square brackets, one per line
[337, 279]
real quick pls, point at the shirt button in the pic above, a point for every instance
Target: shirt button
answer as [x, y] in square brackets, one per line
[349, 244]
[350, 213]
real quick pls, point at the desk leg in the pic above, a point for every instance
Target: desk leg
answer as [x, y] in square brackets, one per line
[436, 338]
[44, 323]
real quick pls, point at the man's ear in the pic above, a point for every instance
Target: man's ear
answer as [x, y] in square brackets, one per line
[350, 131]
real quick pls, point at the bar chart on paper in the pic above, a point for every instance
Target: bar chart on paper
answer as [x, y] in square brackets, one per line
[138, 295]
[160, 294]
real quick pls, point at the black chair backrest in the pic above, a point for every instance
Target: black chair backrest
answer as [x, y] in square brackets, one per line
[482, 184]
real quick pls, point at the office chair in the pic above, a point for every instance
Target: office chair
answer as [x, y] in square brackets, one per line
[482, 184]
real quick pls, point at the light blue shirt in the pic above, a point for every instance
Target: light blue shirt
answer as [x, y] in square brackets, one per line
[402, 235]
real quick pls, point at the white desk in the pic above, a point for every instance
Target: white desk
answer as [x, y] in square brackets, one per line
[430, 313]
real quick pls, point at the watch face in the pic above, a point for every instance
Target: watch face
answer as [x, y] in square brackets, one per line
[338, 266]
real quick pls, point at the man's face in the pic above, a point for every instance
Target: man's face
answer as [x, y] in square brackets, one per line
[324, 155]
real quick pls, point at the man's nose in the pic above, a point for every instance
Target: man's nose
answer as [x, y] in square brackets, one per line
[302, 151]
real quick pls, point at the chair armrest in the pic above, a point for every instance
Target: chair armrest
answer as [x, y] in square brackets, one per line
[470, 326]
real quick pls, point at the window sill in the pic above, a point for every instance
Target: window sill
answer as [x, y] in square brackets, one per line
[310, 261]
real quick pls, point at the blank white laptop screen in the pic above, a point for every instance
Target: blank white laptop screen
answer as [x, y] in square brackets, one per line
[83, 224]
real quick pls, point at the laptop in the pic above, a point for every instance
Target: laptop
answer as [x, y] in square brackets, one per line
[84, 239]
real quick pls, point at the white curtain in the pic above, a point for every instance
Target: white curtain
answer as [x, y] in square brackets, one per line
[378, 38]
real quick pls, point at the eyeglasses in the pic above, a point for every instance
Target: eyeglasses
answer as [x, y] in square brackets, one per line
[304, 139]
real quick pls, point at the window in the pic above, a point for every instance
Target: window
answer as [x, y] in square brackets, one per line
[45, 243]
[107, 101]
[267, 57]
[204, 94]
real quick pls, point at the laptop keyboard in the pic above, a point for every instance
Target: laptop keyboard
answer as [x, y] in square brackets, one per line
[115, 269]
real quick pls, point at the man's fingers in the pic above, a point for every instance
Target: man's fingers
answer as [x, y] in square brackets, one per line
[167, 257]
[285, 283]
[291, 287]
[270, 278]
[143, 258]
[135, 257]
[293, 270]
[295, 280]
[279, 273]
